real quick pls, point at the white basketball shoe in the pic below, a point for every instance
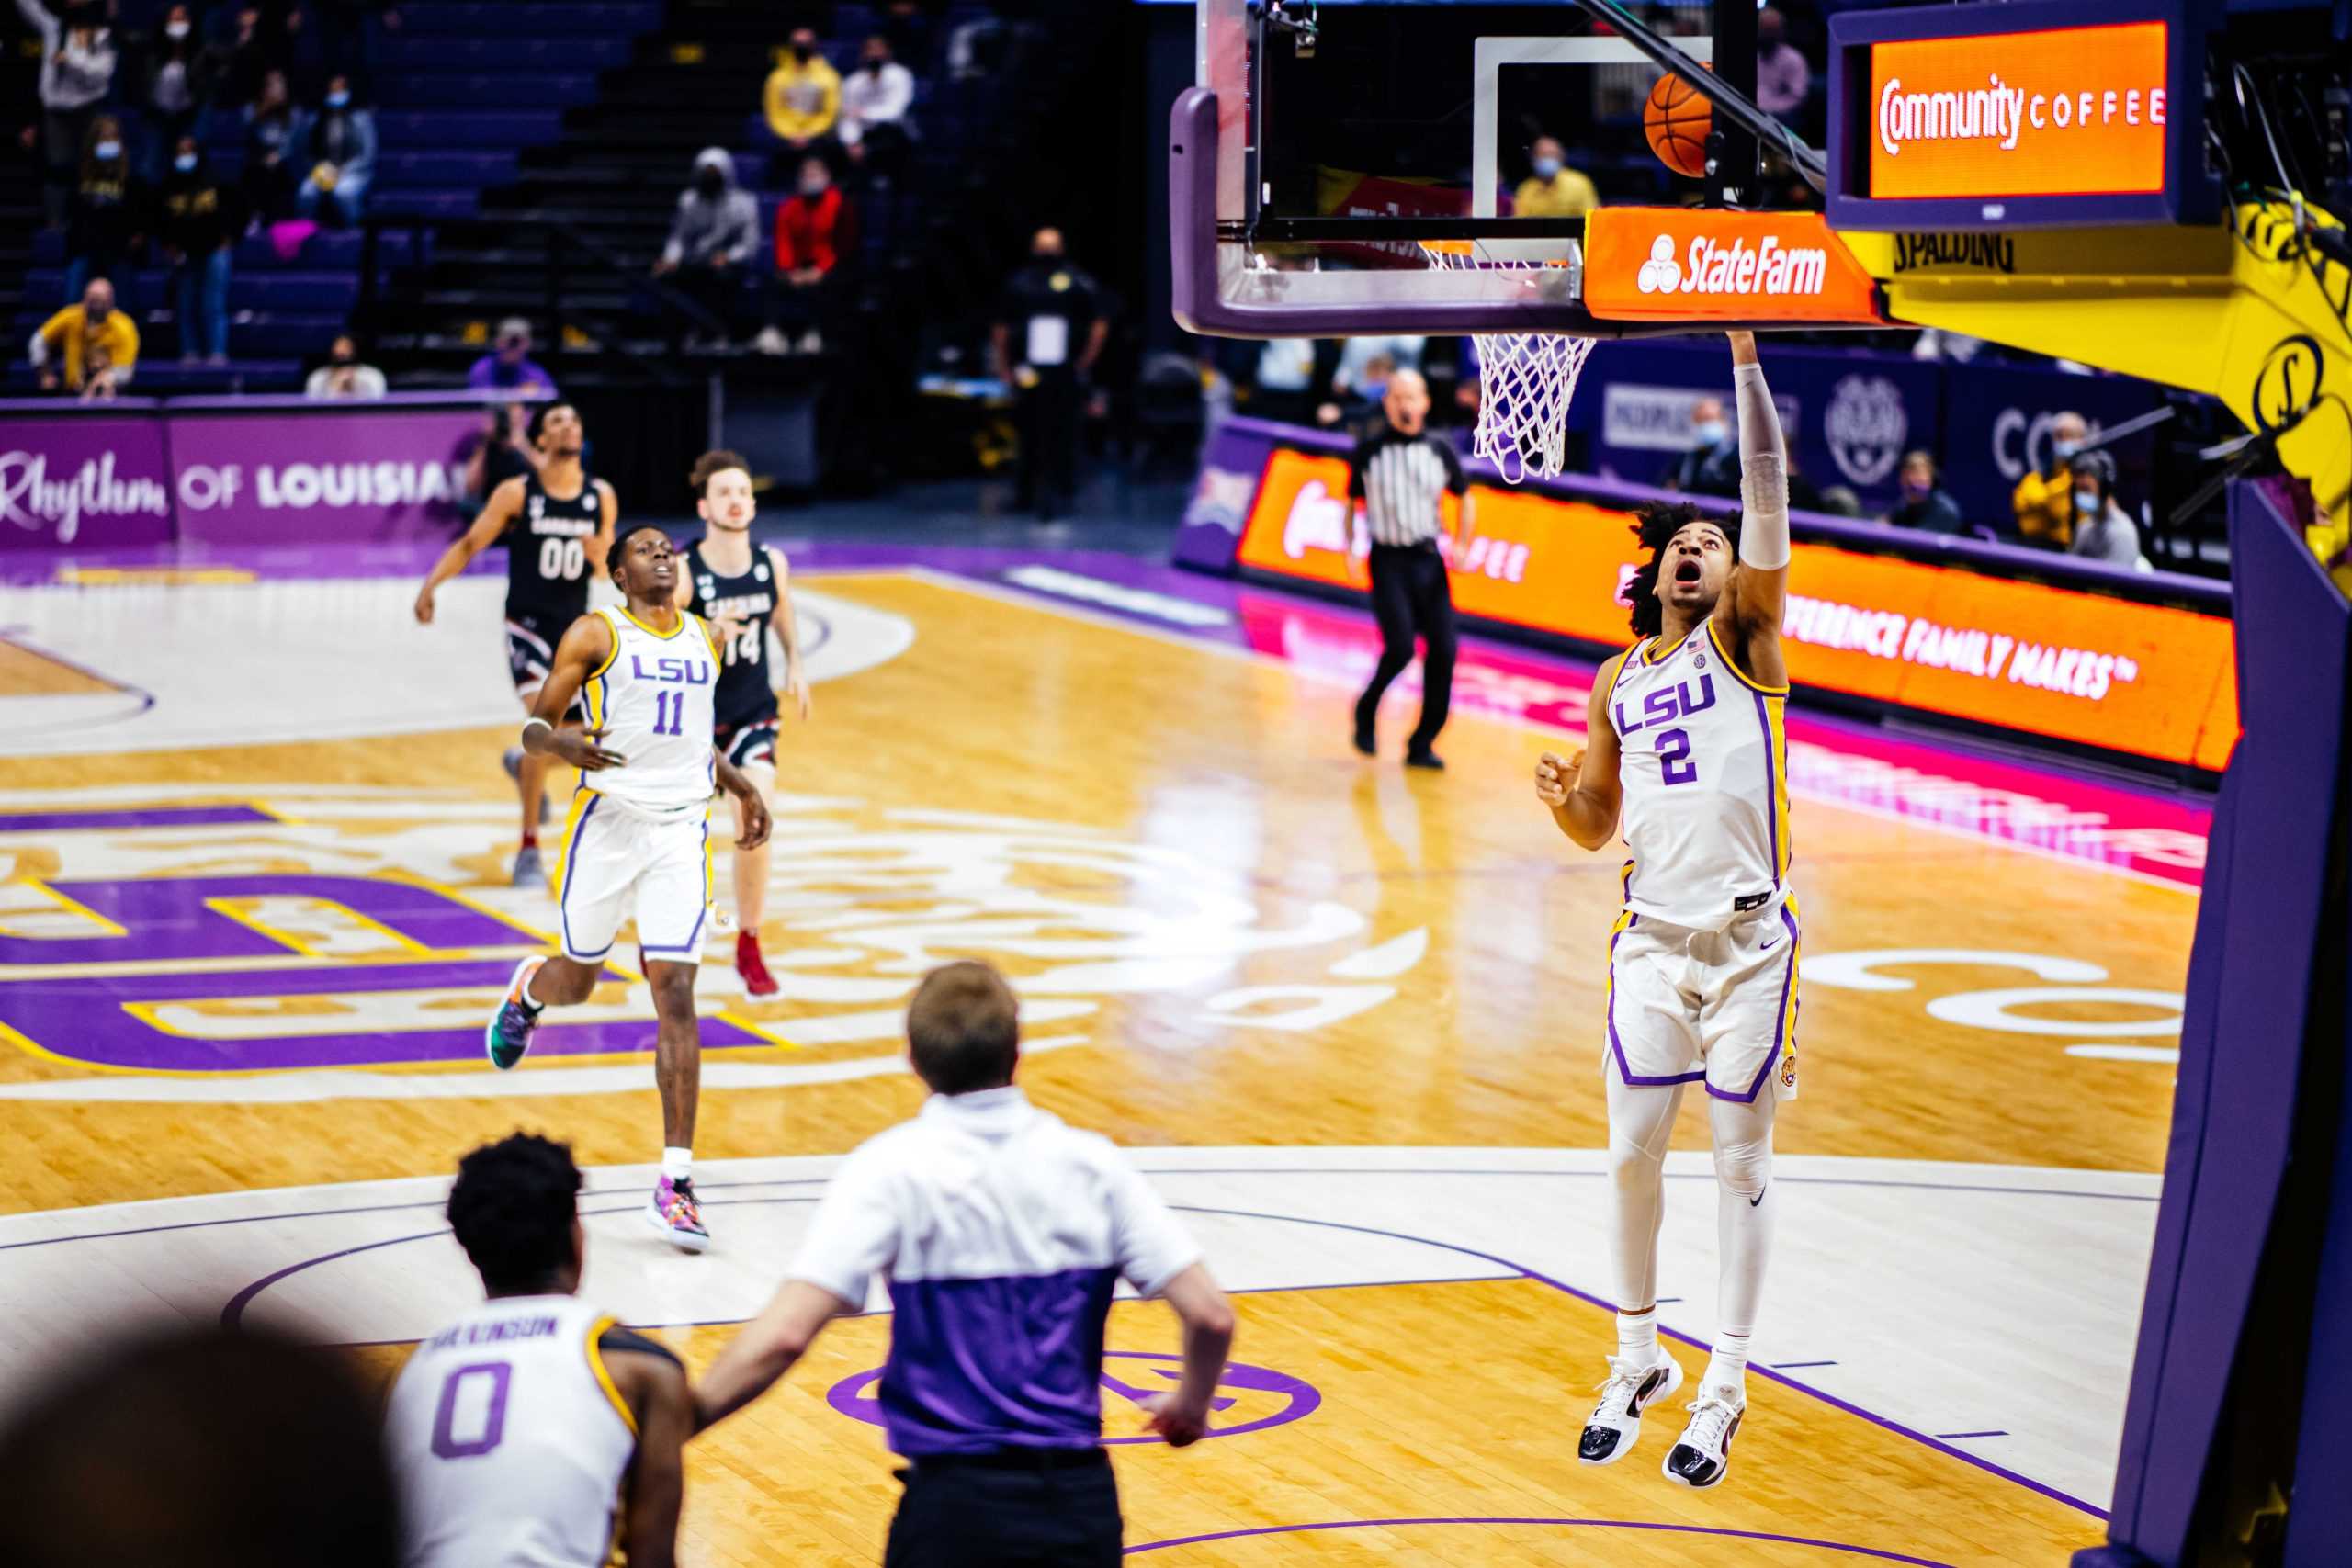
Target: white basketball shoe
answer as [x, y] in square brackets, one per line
[1701, 1456]
[1615, 1425]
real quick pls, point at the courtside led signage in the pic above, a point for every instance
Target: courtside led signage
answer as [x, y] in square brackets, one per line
[2069, 111]
[1685, 263]
[2117, 673]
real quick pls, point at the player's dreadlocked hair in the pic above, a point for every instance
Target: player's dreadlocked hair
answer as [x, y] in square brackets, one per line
[513, 1206]
[1655, 525]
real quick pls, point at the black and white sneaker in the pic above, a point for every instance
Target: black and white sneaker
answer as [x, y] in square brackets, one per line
[1615, 1425]
[1701, 1456]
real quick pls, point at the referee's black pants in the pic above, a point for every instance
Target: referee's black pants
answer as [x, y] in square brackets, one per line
[1057, 1510]
[1410, 596]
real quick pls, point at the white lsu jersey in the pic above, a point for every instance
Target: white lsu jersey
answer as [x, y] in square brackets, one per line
[1705, 779]
[652, 701]
[509, 1441]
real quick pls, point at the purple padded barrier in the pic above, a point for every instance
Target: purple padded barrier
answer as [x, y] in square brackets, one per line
[2242, 1050]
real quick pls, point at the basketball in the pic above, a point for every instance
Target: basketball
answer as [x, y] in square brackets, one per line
[1677, 118]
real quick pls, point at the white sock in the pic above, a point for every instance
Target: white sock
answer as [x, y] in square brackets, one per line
[678, 1164]
[1728, 1366]
[1637, 1337]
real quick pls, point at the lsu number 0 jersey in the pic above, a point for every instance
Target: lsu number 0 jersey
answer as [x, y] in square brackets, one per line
[639, 837]
[509, 1441]
[1703, 961]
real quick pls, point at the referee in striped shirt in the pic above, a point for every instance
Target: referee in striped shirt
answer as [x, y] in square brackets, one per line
[999, 1234]
[1396, 477]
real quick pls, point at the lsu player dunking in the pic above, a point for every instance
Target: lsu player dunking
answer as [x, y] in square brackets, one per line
[535, 1431]
[742, 589]
[557, 523]
[638, 841]
[1685, 733]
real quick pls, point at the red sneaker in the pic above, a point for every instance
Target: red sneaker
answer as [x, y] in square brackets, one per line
[752, 966]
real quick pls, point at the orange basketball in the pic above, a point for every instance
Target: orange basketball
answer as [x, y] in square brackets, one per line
[1677, 118]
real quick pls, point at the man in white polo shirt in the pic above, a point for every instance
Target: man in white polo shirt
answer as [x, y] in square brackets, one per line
[1001, 1234]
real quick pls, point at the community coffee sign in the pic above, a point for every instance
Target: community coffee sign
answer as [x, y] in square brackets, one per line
[1685, 263]
[2061, 111]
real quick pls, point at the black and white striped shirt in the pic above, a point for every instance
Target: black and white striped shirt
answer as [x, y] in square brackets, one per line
[1398, 479]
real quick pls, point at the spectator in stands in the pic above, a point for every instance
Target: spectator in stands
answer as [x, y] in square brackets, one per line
[107, 215]
[1782, 77]
[712, 237]
[509, 366]
[182, 73]
[504, 452]
[1711, 465]
[1554, 190]
[2043, 500]
[804, 95]
[77, 62]
[875, 101]
[97, 344]
[1053, 306]
[267, 182]
[1925, 505]
[2103, 530]
[255, 48]
[816, 238]
[344, 377]
[198, 222]
[1358, 396]
[333, 156]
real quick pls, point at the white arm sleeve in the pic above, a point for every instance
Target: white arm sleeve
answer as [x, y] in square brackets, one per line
[1763, 475]
[37, 350]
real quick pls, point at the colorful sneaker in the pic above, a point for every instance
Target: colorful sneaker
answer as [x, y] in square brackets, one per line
[1701, 1456]
[528, 870]
[752, 966]
[1616, 1423]
[676, 1213]
[508, 1034]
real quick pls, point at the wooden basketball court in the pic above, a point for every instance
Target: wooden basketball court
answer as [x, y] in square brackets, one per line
[257, 911]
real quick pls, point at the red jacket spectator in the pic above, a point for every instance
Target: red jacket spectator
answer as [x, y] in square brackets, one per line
[814, 232]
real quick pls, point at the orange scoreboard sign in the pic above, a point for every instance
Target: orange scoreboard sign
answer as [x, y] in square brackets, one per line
[2070, 111]
[2147, 680]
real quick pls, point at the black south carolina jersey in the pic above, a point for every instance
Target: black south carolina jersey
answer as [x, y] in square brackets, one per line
[745, 692]
[547, 554]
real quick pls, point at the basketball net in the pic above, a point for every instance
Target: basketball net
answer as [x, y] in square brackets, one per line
[1525, 379]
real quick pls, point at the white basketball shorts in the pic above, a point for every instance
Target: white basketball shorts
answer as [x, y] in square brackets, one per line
[618, 864]
[1717, 1008]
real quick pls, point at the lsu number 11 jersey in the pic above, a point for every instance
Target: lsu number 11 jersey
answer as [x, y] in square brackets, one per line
[1704, 774]
[509, 1441]
[652, 703]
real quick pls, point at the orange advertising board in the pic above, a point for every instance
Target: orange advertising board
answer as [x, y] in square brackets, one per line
[2065, 111]
[1692, 264]
[2143, 679]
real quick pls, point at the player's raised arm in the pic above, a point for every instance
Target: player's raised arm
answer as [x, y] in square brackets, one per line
[657, 1392]
[586, 646]
[787, 632]
[496, 514]
[1760, 585]
[1583, 790]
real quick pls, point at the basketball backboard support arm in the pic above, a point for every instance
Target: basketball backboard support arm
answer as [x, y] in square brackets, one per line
[1732, 102]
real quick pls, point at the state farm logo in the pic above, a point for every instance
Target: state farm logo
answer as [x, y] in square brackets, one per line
[1865, 426]
[1766, 269]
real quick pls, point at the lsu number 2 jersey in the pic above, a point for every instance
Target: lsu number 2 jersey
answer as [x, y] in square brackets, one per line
[509, 1441]
[1705, 780]
[638, 841]
[1702, 963]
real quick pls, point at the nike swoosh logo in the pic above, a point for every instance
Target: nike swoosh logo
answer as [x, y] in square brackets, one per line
[1757, 1199]
[1768, 947]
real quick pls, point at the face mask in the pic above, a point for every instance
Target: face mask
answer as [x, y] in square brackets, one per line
[184, 162]
[175, 30]
[1376, 390]
[1547, 168]
[710, 182]
[2065, 448]
[108, 150]
[342, 359]
[98, 312]
[2088, 500]
[876, 65]
[1917, 488]
[337, 100]
[1710, 432]
[801, 51]
[815, 184]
